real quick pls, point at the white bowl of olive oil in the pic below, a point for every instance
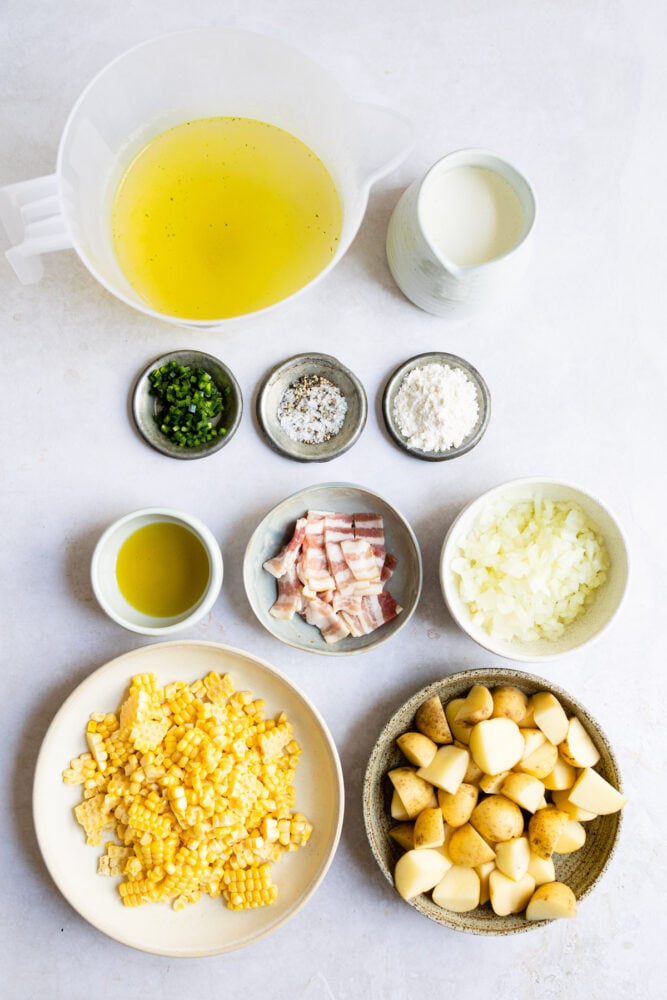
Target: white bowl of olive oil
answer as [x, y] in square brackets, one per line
[207, 176]
[157, 571]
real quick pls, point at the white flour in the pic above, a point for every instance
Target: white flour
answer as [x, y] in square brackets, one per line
[436, 407]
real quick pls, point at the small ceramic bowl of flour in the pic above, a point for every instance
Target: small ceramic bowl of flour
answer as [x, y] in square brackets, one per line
[436, 406]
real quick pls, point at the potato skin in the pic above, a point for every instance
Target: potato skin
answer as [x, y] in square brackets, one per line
[544, 829]
[551, 901]
[509, 703]
[418, 748]
[496, 819]
[430, 720]
[457, 806]
[466, 847]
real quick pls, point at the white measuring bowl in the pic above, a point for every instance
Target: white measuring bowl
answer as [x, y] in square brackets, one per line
[200, 73]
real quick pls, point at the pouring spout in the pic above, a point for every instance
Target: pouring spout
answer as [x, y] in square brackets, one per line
[385, 138]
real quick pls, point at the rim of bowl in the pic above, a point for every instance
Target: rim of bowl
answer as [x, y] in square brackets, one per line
[462, 679]
[329, 364]
[213, 587]
[446, 585]
[453, 360]
[141, 397]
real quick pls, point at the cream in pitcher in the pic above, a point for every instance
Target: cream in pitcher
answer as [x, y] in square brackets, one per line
[472, 215]
[459, 238]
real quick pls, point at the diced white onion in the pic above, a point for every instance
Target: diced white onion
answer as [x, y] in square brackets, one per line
[528, 569]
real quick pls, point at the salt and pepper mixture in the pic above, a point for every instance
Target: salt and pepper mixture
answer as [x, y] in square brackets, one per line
[312, 410]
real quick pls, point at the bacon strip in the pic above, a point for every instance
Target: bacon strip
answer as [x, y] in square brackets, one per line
[290, 599]
[341, 572]
[338, 527]
[360, 558]
[377, 611]
[315, 571]
[371, 527]
[390, 563]
[289, 553]
[322, 615]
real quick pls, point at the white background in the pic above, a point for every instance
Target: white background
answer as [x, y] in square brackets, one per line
[575, 94]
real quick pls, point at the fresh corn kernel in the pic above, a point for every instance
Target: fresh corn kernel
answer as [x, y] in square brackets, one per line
[197, 786]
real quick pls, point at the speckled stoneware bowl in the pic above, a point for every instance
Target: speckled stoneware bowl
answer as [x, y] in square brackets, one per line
[145, 406]
[483, 405]
[276, 529]
[581, 870]
[586, 627]
[280, 378]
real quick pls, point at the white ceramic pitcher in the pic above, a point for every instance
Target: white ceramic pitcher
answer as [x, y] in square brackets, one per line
[171, 79]
[425, 274]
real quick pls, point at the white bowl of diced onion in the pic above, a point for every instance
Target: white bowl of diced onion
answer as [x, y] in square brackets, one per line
[534, 569]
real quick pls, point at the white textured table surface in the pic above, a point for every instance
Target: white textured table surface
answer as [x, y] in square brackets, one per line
[574, 94]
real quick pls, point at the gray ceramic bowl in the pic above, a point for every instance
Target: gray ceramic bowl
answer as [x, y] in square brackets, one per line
[276, 529]
[144, 405]
[483, 403]
[586, 627]
[581, 870]
[282, 377]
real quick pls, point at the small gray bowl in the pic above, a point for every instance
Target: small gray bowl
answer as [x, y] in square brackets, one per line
[280, 378]
[276, 529]
[581, 870]
[145, 407]
[483, 403]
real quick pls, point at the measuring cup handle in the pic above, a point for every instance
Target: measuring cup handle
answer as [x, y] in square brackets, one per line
[386, 138]
[30, 212]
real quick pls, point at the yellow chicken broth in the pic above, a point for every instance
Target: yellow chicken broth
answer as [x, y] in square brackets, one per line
[223, 216]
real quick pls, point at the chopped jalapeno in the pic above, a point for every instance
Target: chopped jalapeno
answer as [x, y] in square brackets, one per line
[188, 403]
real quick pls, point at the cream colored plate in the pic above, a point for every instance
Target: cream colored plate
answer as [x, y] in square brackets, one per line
[207, 927]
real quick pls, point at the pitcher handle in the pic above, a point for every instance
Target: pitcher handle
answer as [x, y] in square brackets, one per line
[386, 138]
[30, 212]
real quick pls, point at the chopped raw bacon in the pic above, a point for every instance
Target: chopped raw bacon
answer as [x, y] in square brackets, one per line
[341, 572]
[371, 527]
[322, 615]
[349, 603]
[315, 572]
[289, 553]
[337, 527]
[388, 568]
[377, 611]
[353, 622]
[360, 557]
[332, 573]
[290, 598]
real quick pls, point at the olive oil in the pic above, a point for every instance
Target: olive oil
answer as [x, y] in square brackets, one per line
[223, 216]
[162, 569]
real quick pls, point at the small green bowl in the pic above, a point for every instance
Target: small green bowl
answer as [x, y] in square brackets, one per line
[145, 406]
